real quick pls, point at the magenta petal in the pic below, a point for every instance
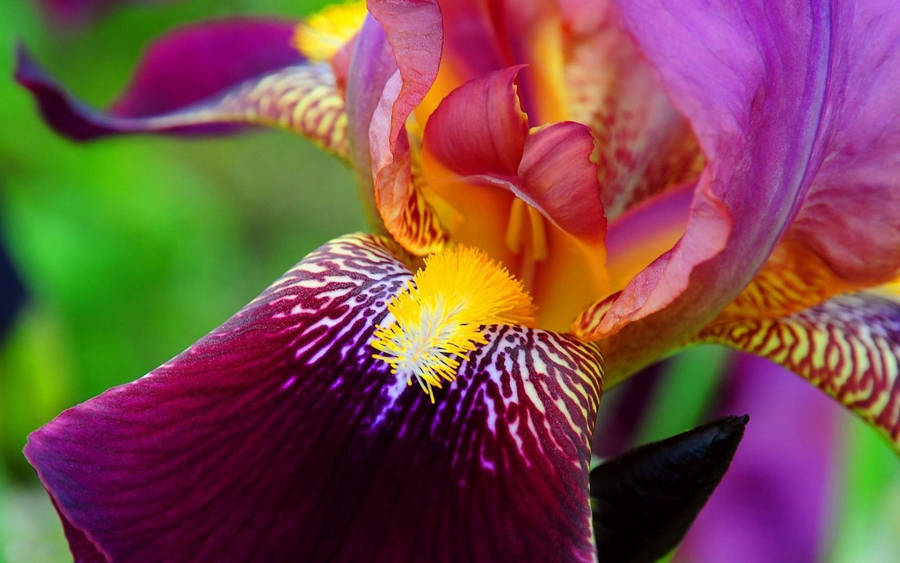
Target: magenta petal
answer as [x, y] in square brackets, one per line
[413, 29]
[559, 178]
[200, 60]
[480, 128]
[764, 85]
[395, 60]
[278, 437]
[188, 66]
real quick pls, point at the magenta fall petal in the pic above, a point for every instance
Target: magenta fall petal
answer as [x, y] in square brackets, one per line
[279, 437]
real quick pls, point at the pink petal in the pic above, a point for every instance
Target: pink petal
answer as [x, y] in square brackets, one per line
[391, 69]
[480, 133]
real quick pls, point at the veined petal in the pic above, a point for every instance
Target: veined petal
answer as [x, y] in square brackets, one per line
[794, 278]
[765, 86]
[279, 437]
[848, 346]
[205, 79]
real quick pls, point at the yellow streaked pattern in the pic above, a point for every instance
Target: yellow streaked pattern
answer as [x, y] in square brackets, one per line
[848, 346]
[412, 220]
[303, 99]
[437, 319]
[321, 35]
[890, 289]
[793, 278]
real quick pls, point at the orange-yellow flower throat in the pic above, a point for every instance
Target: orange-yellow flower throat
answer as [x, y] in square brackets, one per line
[437, 319]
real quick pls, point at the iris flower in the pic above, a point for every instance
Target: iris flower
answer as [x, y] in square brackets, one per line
[560, 193]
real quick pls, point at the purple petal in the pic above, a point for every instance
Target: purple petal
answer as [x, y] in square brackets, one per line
[773, 504]
[200, 60]
[204, 79]
[279, 437]
[644, 145]
[764, 85]
[851, 216]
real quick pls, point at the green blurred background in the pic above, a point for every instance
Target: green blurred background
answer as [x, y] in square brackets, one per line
[133, 248]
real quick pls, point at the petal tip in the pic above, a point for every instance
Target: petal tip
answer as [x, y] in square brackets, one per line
[62, 113]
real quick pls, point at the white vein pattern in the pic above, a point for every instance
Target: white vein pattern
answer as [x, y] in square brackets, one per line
[254, 445]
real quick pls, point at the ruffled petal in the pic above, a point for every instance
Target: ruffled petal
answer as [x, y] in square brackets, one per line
[559, 179]
[205, 79]
[765, 86]
[848, 346]
[279, 437]
[479, 133]
[394, 62]
[480, 128]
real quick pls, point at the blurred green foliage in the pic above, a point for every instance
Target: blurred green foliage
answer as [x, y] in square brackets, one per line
[133, 248]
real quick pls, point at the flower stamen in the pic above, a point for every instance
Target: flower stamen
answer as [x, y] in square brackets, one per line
[436, 320]
[321, 35]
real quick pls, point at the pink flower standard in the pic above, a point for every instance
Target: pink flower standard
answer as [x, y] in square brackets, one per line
[280, 436]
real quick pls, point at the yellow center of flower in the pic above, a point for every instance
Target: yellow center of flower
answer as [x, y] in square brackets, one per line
[321, 35]
[437, 319]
